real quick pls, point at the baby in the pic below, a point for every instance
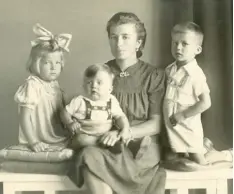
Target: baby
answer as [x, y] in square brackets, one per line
[98, 107]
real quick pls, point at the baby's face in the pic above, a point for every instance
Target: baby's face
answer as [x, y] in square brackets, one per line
[98, 87]
[185, 46]
[50, 66]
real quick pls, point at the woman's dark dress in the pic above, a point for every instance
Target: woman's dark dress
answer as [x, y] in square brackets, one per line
[140, 95]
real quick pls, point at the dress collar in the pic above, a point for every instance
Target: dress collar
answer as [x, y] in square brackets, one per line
[128, 72]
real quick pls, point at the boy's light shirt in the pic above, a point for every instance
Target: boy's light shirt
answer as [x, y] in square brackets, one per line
[186, 84]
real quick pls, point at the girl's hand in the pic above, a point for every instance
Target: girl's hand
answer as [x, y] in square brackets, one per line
[39, 147]
[125, 135]
[177, 118]
[110, 138]
[74, 127]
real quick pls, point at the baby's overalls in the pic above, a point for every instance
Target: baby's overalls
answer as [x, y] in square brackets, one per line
[90, 109]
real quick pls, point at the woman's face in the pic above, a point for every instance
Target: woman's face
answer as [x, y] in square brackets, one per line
[124, 41]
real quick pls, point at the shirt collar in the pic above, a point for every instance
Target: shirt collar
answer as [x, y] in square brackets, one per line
[189, 67]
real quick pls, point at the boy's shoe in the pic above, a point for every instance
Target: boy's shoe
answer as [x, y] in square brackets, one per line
[144, 146]
[141, 146]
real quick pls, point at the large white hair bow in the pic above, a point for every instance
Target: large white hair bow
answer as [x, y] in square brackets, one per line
[43, 35]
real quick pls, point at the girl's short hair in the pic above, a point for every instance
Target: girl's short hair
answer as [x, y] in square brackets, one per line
[41, 50]
[129, 18]
[189, 27]
[92, 70]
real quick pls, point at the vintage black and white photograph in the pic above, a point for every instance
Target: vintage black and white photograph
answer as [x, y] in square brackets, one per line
[116, 97]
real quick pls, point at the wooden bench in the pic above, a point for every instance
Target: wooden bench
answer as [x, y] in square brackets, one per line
[214, 181]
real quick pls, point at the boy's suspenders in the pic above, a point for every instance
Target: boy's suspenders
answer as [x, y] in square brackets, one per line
[90, 107]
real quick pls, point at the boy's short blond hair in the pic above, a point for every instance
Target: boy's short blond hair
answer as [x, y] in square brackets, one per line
[189, 27]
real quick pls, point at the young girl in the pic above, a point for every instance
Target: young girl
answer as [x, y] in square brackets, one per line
[40, 97]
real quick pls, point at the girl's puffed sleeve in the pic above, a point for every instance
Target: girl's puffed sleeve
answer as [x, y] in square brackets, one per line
[28, 94]
[156, 91]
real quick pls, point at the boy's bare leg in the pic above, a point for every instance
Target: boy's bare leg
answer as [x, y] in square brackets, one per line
[170, 155]
[198, 158]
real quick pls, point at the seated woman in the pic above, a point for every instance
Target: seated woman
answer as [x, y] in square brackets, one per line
[139, 87]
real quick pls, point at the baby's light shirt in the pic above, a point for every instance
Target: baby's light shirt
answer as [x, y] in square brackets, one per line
[77, 108]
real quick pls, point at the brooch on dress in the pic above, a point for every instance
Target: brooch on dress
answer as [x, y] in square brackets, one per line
[124, 74]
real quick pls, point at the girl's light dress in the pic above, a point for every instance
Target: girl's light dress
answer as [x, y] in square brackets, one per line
[139, 93]
[44, 100]
[184, 85]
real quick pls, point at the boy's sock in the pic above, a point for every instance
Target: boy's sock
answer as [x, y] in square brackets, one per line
[208, 145]
[140, 145]
[216, 156]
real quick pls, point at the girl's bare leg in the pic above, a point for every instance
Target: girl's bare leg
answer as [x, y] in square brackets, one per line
[94, 184]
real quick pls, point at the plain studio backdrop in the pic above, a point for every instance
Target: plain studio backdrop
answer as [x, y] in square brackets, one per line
[86, 21]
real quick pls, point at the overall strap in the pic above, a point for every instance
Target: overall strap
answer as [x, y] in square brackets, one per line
[109, 109]
[89, 109]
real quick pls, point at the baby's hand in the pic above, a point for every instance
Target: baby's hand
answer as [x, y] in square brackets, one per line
[177, 118]
[125, 135]
[39, 147]
[74, 127]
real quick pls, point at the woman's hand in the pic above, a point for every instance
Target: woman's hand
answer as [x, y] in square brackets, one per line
[39, 147]
[110, 138]
[125, 135]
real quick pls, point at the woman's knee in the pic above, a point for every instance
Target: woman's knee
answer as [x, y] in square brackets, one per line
[83, 140]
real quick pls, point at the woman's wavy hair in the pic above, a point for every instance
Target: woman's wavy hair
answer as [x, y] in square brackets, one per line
[129, 18]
